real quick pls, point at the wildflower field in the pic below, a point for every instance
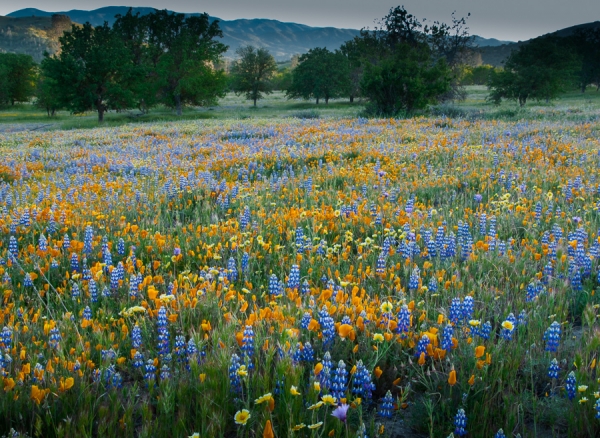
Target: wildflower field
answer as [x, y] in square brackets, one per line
[301, 278]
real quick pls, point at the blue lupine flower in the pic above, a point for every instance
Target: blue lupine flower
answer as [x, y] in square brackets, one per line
[422, 345]
[87, 239]
[294, 277]
[305, 320]
[308, 354]
[136, 337]
[74, 262]
[54, 338]
[87, 313]
[299, 240]
[455, 311]
[27, 282]
[121, 247]
[232, 274]
[273, 285]
[245, 259]
[327, 327]
[553, 369]
[138, 360]
[413, 282]
[165, 372]
[485, 330]
[248, 342]
[325, 374]
[43, 243]
[570, 384]
[380, 269]
[6, 339]
[447, 337]
[75, 292]
[403, 320]
[93, 289]
[234, 378]
[500, 434]
[387, 407]
[460, 422]
[340, 381]
[150, 369]
[597, 408]
[467, 308]
[552, 336]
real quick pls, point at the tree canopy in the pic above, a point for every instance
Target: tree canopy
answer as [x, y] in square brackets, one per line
[320, 74]
[252, 73]
[94, 71]
[539, 70]
[17, 78]
[402, 71]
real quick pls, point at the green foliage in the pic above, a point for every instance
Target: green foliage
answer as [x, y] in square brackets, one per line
[93, 71]
[479, 75]
[587, 45]
[253, 72]
[320, 74]
[402, 72]
[181, 55]
[17, 78]
[539, 70]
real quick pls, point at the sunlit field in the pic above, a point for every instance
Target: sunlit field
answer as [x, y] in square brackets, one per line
[302, 277]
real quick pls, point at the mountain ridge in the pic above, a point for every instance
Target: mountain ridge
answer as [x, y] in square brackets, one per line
[282, 39]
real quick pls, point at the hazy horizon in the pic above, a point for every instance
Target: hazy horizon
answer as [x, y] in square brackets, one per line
[508, 20]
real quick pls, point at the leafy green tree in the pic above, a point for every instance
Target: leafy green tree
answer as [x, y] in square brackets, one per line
[540, 70]
[18, 78]
[402, 72]
[47, 95]
[320, 74]
[132, 30]
[253, 72]
[353, 50]
[586, 43]
[94, 71]
[182, 53]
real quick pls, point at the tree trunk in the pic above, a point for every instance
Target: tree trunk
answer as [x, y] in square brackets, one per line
[583, 87]
[100, 114]
[317, 100]
[178, 104]
[53, 113]
[254, 101]
[326, 100]
[351, 99]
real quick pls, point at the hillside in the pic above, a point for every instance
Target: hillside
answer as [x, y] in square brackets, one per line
[283, 40]
[32, 35]
[496, 55]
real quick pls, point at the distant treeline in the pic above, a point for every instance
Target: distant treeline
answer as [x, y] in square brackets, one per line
[169, 59]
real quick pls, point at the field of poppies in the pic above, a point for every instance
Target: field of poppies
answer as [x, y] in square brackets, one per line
[301, 278]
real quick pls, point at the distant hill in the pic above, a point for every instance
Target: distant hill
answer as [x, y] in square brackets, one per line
[32, 35]
[497, 55]
[283, 40]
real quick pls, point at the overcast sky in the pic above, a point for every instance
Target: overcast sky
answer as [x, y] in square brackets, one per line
[503, 19]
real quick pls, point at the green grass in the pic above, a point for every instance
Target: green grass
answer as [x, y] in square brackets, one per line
[571, 106]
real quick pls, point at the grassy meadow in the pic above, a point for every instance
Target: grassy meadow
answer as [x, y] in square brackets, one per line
[300, 271]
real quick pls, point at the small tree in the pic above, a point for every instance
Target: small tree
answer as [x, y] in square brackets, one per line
[253, 72]
[47, 95]
[94, 71]
[182, 52]
[540, 70]
[18, 77]
[320, 74]
[402, 71]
